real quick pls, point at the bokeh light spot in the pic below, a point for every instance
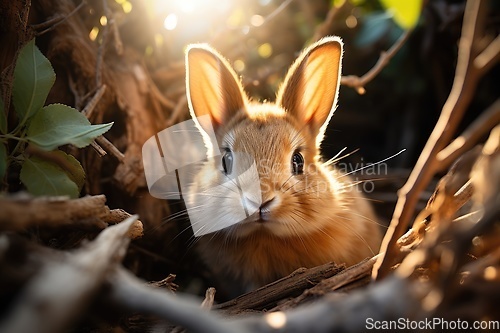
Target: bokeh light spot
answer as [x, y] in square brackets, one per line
[170, 22]
[265, 50]
[103, 20]
[351, 21]
[257, 20]
[276, 320]
[239, 65]
[93, 33]
[127, 7]
[490, 273]
[235, 19]
[158, 40]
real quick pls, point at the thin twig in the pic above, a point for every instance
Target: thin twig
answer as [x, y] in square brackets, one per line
[98, 149]
[55, 21]
[89, 108]
[464, 86]
[358, 83]
[110, 148]
[324, 28]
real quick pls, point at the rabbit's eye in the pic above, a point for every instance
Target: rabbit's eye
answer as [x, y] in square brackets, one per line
[297, 163]
[227, 161]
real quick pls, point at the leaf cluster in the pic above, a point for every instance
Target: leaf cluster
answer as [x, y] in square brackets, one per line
[40, 130]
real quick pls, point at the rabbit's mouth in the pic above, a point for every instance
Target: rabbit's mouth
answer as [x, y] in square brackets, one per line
[262, 214]
[257, 217]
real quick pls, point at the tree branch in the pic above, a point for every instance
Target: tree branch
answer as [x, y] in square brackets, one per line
[358, 83]
[464, 86]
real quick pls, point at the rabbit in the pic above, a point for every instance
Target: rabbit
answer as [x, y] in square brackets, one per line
[307, 212]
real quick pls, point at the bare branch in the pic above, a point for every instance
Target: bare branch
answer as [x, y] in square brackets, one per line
[324, 28]
[66, 287]
[129, 291]
[358, 83]
[464, 85]
[55, 21]
[21, 211]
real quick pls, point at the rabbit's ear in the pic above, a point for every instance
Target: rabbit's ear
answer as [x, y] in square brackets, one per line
[309, 91]
[212, 86]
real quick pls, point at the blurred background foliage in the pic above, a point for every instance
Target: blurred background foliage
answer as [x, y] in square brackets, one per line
[261, 38]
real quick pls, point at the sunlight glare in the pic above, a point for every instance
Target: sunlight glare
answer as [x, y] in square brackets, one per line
[188, 6]
[170, 22]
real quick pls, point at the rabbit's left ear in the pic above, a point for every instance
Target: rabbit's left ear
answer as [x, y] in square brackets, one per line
[310, 89]
[213, 88]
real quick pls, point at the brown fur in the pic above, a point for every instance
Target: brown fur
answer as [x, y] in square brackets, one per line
[314, 217]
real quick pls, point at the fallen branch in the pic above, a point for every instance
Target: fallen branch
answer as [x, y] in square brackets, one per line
[292, 285]
[65, 288]
[328, 285]
[22, 211]
[129, 291]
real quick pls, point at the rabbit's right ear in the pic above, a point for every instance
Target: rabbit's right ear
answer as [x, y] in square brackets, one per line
[212, 87]
[309, 91]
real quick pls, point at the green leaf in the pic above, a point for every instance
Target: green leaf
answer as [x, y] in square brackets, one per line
[3, 160]
[3, 117]
[405, 13]
[71, 166]
[57, 124]
[33, 78]
[45, 178]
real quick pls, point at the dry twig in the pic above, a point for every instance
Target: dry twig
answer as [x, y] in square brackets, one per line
[464, 85]
[358, 83]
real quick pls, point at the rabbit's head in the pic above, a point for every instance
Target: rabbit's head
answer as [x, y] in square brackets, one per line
[268, 175]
